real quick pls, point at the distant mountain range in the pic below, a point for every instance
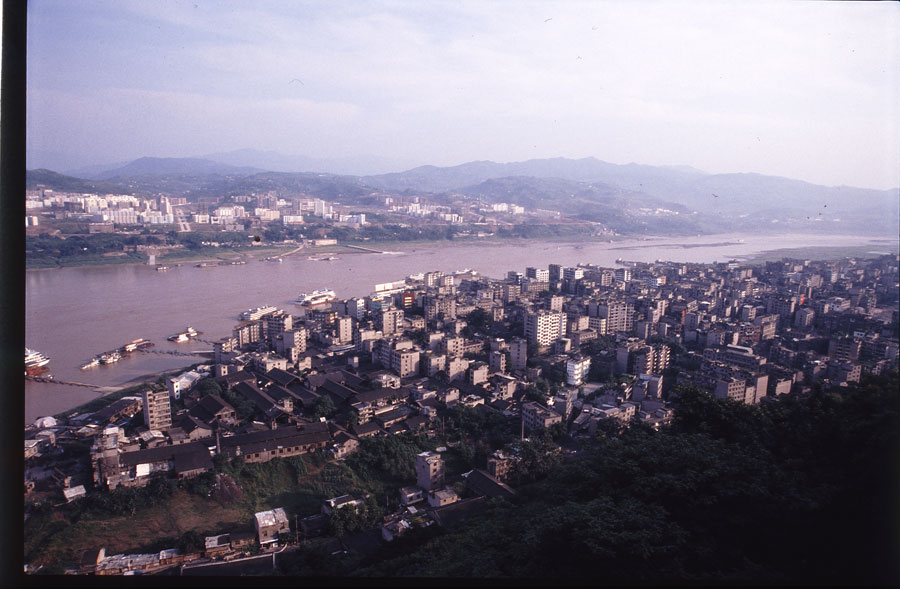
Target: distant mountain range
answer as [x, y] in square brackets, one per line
[431, 178]
[589, 188]
[153, 166]
[242, 159]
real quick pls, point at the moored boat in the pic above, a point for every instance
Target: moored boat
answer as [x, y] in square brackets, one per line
[254, 314]
[316, 297]
[137, 345]
[184, 336]
[109, 358]
[35, 362]
[95, 361]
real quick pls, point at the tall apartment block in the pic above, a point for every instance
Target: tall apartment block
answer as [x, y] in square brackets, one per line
[555, 272]
[497, 361]
[223, 348]
[344, 329]
[518, 353]
[390, 321]
[157, 410]
[275, 324]
[247, 332]
[545, 327]
[429, 471]
[619, 315]
[538, 274]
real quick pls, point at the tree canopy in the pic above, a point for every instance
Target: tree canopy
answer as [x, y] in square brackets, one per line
[802, 489]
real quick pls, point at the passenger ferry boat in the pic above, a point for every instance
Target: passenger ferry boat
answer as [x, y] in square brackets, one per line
[184, 336]
[116, 355]
[35, 363]
[316, 297]
[109, 358]
[137, 345]
[254, 314]
[95, 361]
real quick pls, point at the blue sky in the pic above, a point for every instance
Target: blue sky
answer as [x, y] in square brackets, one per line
[809, 90]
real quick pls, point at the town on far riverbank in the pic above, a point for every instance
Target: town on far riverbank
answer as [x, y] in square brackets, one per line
[65, 228]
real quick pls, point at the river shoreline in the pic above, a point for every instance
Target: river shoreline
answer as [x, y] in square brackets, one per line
[385, 247]
[114, 393]
[76, 312]
[134, 385]
[389, 247]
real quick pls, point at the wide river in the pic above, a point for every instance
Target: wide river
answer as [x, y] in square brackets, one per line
[73, 314]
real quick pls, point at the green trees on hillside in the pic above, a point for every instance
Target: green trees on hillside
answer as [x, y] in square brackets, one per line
[391, 455]
[802, 489]
[352, 519]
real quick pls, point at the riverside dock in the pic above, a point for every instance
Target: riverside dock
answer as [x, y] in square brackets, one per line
[364, 249]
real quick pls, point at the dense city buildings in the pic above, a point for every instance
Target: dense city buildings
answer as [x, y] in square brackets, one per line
[595, 350]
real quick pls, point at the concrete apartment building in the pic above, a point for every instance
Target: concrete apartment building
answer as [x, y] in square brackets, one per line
[434, 363]
[269, 524]
[619, 315]
[429, 471]
[297, 338]
[518, 354]
[510, 293]
[405, 362]
[556, 303]
[157, 410]
[538, 274]
[389, 321]
[452, 346]
[182, 383]
[247, 332]
[456, 368]
[439, 306]
[577, 370]
[343, 330]
[536, 416]
[497, 360]
[223, 349]
[649, 359]
[555, 272]
[544, 327]
[478, 373]
[275, 324]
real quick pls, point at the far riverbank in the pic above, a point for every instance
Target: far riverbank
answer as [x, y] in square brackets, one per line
[262, 252]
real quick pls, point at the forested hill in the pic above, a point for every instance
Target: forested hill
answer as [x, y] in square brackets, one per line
[801, 490]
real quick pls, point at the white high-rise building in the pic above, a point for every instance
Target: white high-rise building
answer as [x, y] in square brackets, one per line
[539, 274]
[545, 327]
[577, 370]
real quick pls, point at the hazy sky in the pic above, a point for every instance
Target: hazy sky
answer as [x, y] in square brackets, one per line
[808, 90]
